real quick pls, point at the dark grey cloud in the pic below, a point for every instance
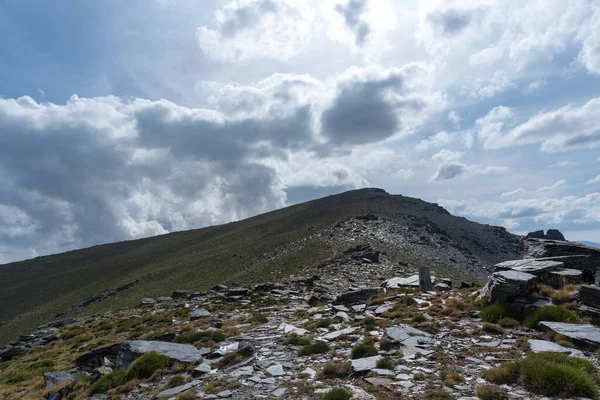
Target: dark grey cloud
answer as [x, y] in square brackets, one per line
[449, 170]
[361, 113]
[352, 13]
[451, 21]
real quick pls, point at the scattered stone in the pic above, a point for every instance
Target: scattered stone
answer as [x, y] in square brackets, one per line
[180, 294]
[365, 364]
[199, 313]
[147, 301]
[201, 369]
[52, 379]
[356, 296]
[176, 390]
[540, 346]
[276, 370]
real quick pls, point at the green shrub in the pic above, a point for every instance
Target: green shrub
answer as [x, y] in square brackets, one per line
[418, 319]
[324, 322]
[363, 350]
[491, 392]
[15, 377]
[496, 312]
[259, 319]
[385, 363]
[335, 369]
[551, 314]
[315, 348]
[437, 394]
[107, 382]
[508, 322]
[297, 341]
[549, 374]
[146, 365]
[337, 394]
[492, 328]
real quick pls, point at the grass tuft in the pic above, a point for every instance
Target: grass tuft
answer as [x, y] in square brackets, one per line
[297, 341]
[385, 363]
[315, 348]
[551, 314]
[496, 312]
[363, 350]
[337, 394]
[491, 392]
[145, 366]
[335, 369]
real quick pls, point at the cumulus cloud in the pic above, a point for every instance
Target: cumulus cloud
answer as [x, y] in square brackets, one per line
[449, 167]
[555, 186]
[454, 118]
[245, 29]
[594, 180]
[566, 128]
[512, 193]
[449, 170]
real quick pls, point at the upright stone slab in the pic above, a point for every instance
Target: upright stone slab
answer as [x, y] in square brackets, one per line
[425, 280]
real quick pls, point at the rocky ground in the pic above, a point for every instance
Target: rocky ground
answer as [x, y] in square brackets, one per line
[296, 339]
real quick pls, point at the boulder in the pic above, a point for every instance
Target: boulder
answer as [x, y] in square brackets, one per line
[503, 286]
[52, 379]
[201, 369]
[238, 292]
[219, 288]
[573, 255]
[590, 296]
[552, 234]
[12, 351]
[364, 364]
[357, 296]
[199, 313]
[132, 349]
[401, 333]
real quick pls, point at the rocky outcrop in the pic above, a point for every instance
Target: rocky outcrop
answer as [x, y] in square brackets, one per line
[357, 296]
[552, 234]
[573, 255]
[52, 379]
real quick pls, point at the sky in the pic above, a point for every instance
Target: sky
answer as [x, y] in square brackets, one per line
[127, 119]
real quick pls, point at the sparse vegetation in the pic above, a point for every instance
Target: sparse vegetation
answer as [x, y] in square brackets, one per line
[337, 394]
[193, 337]
[496, 312]
[552, 314]
[491, 392]
[549, 374]
[324, 322]
[508, 322]
[297, 341]
[386, 363]
[315, 348]
[437, 393]
[335, 369]
[492, 328]
[145, 366]
[107, 382]
[363, 350]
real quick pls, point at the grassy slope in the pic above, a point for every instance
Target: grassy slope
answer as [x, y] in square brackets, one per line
[32, 291]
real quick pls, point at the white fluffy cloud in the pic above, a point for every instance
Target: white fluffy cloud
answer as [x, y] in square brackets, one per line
[567, 128]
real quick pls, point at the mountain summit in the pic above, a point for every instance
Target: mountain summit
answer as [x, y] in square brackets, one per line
[398, 233]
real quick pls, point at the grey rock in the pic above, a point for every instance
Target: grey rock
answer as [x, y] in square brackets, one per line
[357, 296]
[179, 294]
[443, 287]
[580, 333]
[163, 299]
[425, 283]
[225, 394]
[365, 364]
[147, 301]
[176, 390]
[279, 392]
[219, 288]
[573, 255]
[11, 352]
[52, 379]
[132, 349]
[336, 334]
[201, 369]
[590, 296]
[276, 370]
[532, 265]
[53, 396]
[199, 313]
[401, 333]
[540, 346]
[234, 292]
[506, 285]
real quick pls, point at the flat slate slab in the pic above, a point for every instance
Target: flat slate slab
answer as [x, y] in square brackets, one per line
[531, 265]
[199, 313]
[365, 364]
[178, 389]
[132, 349]
[540, 346]
[582, 333]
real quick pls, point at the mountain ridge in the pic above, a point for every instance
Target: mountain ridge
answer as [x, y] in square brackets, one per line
[258, 249]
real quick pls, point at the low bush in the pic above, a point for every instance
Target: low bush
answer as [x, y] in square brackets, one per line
[315, 348]
[362, 351]
[561, 297]
[324, 322]
[335, 369]
[145, 366]
[491, 392]
[549, 374]
[193, 337]
[552, 314]
[492, 328]
[337, 394]
[385, 363]
[418, 319]
[297, 341]
[437, 393]
[107, 382]
[496, 312]
[508, 323]
[175, 381]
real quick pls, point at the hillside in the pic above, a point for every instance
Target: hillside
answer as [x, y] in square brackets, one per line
[295, 240]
